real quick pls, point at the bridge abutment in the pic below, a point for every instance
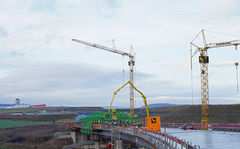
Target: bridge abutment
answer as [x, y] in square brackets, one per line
[74, 135]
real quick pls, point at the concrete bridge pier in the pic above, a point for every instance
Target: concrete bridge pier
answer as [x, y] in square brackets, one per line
[74, 135]
[96, 140]
[83, 138]
[97, 144]
[118, 144]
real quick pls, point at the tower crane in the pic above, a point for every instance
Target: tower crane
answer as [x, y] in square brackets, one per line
[131, 64]
[204, 60]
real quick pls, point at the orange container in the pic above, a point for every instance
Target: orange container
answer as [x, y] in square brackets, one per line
[153, 123]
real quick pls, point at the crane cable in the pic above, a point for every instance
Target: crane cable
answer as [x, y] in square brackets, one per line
[114, 47]
[135, 96]
[236, 64]
[226, 34]
[191, 72]
[196, 36]
[123, 72]
[223, 26]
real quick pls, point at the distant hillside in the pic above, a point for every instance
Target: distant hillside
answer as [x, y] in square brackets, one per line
[50, 109]
[6, 105]
[193, 113]
[116, 107]
[156, 105]
[159, 105]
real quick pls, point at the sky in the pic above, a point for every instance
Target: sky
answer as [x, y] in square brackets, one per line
[41, 65]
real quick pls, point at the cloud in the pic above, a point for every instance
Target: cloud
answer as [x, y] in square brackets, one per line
[47, 6]
[40, 62]
[59, 83]
[224, 9]
[55, 81]
[3, 33]
[190, 100]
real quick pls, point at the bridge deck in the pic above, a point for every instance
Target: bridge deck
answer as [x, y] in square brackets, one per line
[140, 136]
[208, 139]
[132, 138]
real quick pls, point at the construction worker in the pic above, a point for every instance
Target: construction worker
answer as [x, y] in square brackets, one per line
[109, 146]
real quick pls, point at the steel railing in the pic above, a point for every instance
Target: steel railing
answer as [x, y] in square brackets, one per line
[158, 139]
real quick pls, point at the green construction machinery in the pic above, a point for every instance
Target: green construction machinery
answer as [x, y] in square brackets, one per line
[117, 118]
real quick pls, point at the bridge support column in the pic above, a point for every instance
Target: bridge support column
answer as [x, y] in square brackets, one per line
[74, 135]
[96, 140]
[83, 138]
[118, 144]
[97, 145]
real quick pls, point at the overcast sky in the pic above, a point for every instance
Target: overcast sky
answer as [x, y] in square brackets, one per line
[40, 64]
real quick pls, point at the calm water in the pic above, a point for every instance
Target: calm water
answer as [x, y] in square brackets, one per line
[208, 139]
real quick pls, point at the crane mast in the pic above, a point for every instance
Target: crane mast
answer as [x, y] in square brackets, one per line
[131, 64]
[204, 60]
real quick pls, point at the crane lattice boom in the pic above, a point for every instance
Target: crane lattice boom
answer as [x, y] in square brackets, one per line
[223, 44]
[104, 48]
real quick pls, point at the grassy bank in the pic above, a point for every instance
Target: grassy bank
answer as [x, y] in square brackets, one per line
[9, 123]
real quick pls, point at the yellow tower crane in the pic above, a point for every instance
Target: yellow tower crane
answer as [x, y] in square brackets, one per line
[204, 60]
[131, 64]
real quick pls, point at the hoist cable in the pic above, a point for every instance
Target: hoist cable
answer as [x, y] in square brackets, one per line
[196, 36]
[123, 72]
[191, 72]
[237, 78]
[236, 64]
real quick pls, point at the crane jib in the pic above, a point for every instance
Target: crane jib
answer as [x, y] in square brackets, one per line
[131, 70]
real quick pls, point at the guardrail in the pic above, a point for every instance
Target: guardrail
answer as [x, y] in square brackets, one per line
[216, 127]
[160, 140]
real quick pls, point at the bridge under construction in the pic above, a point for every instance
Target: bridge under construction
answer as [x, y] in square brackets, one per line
[117, 128]
[120, 127]
[148, 132]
